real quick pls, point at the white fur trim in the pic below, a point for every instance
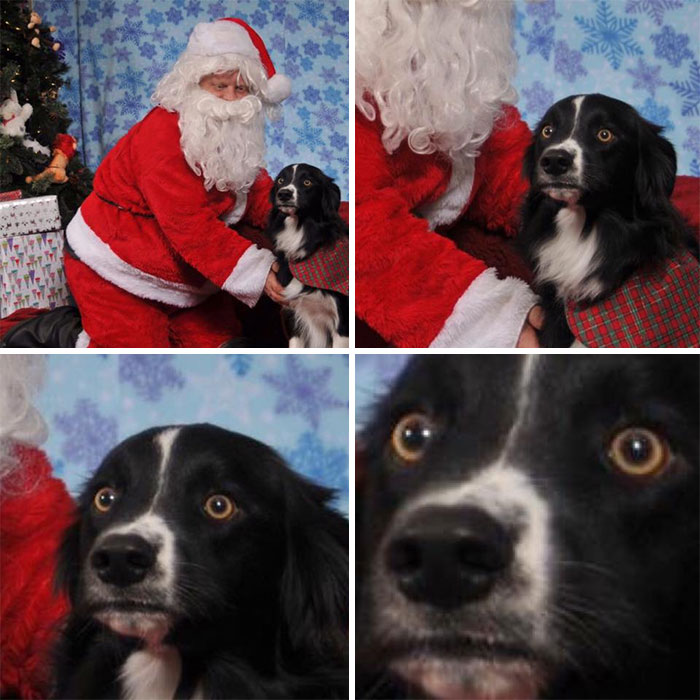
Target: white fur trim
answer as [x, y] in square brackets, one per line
[215, 38]
[448, 208]
[247, 279]
[490, 314]
[97, 255]
[278, 88]
[236, 214]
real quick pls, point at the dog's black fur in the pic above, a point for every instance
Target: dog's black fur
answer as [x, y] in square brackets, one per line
[621, 551]
[260, 601]
[304, 218]
[623, 188]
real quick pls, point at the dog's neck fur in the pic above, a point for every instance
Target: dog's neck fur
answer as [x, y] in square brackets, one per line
[291, 240]
[570, 258]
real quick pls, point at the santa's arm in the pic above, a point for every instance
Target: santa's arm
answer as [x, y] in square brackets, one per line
[414, 286]
[499, 185]
[179, 202]
[259, 206]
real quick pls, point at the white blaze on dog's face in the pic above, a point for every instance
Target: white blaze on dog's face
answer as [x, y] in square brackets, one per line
[497, 508]
[172, 523]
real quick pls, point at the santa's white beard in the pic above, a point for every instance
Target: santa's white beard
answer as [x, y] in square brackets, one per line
[438, 71]
[222, 141]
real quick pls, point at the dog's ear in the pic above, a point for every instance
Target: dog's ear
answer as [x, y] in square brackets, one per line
[656, 166]
[67, 573]
[314, 589]
[330, 200]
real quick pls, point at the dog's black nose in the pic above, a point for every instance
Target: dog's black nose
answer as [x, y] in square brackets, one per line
[284, 195]
[123, 559]
[448, 556]
[556, 161]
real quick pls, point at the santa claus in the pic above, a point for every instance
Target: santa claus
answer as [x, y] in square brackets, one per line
[437, 140]
[34, 510]
[153, 261]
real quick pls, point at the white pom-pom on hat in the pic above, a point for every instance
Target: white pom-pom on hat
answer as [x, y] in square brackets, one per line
[231, 35]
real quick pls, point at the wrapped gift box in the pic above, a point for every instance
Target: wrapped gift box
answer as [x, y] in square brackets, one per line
[31, 255]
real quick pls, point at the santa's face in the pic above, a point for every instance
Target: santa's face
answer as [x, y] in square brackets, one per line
[226, 86]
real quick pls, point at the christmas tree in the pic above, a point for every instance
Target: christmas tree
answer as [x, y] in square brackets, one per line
[36, 152]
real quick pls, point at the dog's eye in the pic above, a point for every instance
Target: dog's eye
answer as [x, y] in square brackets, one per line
[411, 436]
[639, 452]
[604, 135]
[219, 507]
[104, 499]
[280, 180]
[307, 183]
[547, 131]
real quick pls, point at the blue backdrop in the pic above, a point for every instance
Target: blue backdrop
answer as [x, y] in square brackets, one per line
[117, 50]
[297, 404]
[645, 52]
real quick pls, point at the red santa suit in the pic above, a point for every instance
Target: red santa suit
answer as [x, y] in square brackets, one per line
[150, 240]
[413, 285]
[154, 261]
[35, 508]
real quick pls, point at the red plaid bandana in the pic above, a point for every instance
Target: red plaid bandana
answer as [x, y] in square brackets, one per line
[653, 309]
[327, 268]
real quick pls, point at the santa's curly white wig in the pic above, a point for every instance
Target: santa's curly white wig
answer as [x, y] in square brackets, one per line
[21, 377]
[437, 71]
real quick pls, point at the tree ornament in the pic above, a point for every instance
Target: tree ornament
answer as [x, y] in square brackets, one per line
[14, 116]
[35, 42]
[55, 171]
[34, 19]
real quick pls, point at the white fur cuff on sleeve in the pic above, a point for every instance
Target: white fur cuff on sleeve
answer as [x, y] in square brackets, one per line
[490, 314]
[247, 280]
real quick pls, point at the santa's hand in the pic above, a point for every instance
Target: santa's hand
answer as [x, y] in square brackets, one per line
[273, 288]
[528, 335]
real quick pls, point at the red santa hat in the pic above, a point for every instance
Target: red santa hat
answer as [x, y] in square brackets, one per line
[231, 35]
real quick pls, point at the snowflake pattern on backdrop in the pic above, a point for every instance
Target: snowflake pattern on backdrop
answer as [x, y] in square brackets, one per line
[310, 456]
[117, 52]
[689, 90]
[609, 35]
[644, 52]
[150, 375]
[87, 434]
[303, 389]
[92, 402]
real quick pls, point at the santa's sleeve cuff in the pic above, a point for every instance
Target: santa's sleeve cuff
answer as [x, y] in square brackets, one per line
[490, 314]
[247, 280]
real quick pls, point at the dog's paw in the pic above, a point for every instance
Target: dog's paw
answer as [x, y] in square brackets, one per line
[293, 289]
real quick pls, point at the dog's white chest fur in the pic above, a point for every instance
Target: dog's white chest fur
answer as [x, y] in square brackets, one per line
[151, 674]
[290, 239]
[568, 258]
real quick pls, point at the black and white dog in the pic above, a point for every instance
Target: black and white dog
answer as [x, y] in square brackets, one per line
[303, 220]
[598, 208]
[528, 528]
[201, 566]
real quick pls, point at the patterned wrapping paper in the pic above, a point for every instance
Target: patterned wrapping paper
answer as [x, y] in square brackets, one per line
[31, 255]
